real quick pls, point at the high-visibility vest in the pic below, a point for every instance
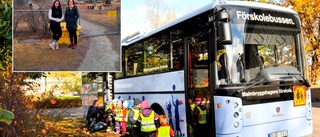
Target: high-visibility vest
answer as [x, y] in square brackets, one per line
[119, 115]
[203, 116]
[108, 107]
[190, 129]
[127, 114]
[164, 131]
[147, 123]
[135, 114]
[192, 105]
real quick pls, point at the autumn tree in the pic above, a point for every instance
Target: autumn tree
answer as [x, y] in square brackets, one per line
[12, 98]
[158, 13]
[309, 12]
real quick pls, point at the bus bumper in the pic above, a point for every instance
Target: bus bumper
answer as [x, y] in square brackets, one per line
[295, 128]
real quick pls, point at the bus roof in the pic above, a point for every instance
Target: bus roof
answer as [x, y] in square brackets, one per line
[206, 8]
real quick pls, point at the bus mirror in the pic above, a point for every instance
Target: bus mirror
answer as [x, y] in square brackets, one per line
[225, 33]
[224, 28]
[223, 16]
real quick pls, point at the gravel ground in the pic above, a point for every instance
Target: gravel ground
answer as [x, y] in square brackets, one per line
[103, 54]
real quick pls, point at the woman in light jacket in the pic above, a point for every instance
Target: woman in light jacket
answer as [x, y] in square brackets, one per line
[55, 16]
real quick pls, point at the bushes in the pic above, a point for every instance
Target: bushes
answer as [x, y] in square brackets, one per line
[61, 102]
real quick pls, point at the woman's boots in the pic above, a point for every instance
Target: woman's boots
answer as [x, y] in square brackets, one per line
[72, 45]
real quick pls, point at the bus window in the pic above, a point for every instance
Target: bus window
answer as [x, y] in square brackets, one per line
[148, 56]
[177, 62]
[133, 59]
[199, 61]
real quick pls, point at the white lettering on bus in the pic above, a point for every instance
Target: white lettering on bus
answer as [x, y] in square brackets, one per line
[155, 68]
[128, 85]
[265, 18]
[266, 92]
[285, 90]
[278, 115]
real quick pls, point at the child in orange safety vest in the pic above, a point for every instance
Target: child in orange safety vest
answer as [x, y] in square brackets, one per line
[164, 130]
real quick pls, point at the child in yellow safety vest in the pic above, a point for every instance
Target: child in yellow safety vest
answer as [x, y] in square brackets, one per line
[124, 119]
[133, 118]
[109, 110]
[164, 130]
[118, 117]
[149, 120]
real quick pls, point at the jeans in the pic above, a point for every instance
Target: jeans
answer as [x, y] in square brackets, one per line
[73, 36]
[56, 31]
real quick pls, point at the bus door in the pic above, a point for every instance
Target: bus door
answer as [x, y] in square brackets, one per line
[198, 91]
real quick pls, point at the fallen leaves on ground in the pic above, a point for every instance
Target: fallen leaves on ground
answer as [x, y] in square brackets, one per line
[71, 127]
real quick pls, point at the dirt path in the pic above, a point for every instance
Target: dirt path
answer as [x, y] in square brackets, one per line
[102, 55]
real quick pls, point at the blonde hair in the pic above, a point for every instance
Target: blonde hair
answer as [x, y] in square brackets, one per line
[163, 119]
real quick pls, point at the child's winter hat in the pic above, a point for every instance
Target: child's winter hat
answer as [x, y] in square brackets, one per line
[137, 101]
[144, 105]
[125, 104]
[115, 101]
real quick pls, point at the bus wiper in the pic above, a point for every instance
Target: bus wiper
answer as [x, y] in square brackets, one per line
[306, 82]
[262, 80]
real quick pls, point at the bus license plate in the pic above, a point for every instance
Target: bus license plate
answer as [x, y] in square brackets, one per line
[279, 134]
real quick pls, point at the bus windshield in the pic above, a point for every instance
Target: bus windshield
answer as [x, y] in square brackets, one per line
[263, 42]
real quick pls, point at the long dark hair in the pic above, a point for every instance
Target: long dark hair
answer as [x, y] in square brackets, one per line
[54, 7]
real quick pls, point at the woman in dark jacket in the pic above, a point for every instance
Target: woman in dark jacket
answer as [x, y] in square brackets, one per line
[72, 16]
[55, 16]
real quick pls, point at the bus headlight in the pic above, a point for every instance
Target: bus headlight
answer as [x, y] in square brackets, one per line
[236, 124]
[236, 114]
[235, 104]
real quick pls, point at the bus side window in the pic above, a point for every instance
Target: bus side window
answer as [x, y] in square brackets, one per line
[178, 57]
[241, 69]
[222, 72]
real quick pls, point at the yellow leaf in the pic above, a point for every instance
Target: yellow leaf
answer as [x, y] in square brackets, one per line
[44, 131]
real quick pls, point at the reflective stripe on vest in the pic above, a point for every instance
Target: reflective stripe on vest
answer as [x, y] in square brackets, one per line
[147, 123]
[192, 105]
[126, 118]
[203, 116]
[164, 131]
[119, 115]
[135, 114]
